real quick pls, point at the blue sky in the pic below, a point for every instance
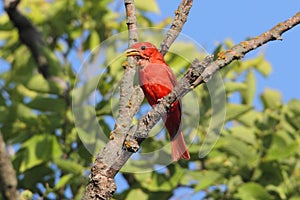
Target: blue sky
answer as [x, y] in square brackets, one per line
[212, 21]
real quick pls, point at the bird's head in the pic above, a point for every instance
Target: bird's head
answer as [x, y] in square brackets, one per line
[144, 50]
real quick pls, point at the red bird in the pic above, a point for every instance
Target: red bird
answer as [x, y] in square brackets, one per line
[157, 80]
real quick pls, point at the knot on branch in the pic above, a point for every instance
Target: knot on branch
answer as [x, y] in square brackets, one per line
[198, 72]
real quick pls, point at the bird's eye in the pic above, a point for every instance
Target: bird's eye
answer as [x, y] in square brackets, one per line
[143, 47]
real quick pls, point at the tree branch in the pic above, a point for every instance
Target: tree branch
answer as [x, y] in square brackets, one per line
[111, 159]
[179, 20]
[202, 72]
[8, 179]
[32, 38]
[28, 34]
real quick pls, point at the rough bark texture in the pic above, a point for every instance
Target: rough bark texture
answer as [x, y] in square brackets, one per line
[8, 179]
[179, 20]
[111, 159]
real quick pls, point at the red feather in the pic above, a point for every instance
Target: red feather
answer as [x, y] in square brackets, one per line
[157, 80]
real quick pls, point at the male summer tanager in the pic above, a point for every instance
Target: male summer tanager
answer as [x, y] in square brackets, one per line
[157, 80]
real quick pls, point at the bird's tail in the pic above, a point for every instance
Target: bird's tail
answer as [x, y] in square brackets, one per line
[179, 149]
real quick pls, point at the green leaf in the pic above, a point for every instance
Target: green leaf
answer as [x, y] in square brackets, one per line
[229, 43]
[259, 63]
[150, 6]
[39, 84]
[253, 191]
[4, 113]
[35, 175]
[295, 198]
[207, 179]
[39, 149]
[22, 112]
[64, 180]
[234, 111]
[292, 114]
[240, 150]
[271, 99]
[94, 40]
[81, 94]
[250, 63]
[248, 94]
[280, 149]
[26, 195]
[235, 86]
[244, 134]
[137, 194]
[69, 166]
[268, 173]
[264, 68]
[155, 182]
[294, 105]
[47, 104]
[249, 118]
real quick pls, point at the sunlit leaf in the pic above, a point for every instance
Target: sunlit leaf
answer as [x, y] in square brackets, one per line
[271, 98]
[39, 84]
[137, 194]
[253, 191]
[235, 86]
[63, 181]
[94, 40]
[235, 110]
[244, 134]
[206, 179]
[280, 149]
[150, 6]
[69, 166]
[248, 94]
[39, 149]
[264, 68]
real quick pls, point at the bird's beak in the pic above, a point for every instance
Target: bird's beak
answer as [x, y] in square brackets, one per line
[132, 52]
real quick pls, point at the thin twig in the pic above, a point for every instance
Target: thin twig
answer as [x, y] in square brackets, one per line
[180, 18]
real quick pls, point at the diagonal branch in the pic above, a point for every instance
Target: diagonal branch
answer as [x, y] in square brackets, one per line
[202, 72]
[28, 34]
[32, 38]
[180, 18]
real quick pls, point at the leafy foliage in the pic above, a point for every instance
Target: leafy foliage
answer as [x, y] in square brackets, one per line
[255, 157]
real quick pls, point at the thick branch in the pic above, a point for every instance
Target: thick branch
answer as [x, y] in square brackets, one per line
[8, 179]
[111, 159]
[180, 18]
